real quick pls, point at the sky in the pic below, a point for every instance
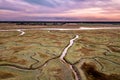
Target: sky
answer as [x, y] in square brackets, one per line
[59, 10]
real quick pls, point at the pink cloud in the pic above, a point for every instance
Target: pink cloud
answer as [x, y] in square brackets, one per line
[67, 9]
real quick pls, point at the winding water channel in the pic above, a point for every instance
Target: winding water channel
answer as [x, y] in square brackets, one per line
[64, 54]
[22, 32]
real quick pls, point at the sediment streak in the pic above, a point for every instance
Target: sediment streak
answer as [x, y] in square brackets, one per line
[64, 54]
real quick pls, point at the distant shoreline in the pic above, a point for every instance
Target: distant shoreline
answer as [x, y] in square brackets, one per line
[62, 25]
[84, 22]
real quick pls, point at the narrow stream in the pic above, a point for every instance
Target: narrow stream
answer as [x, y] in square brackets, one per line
[66, 49]
[22, 32]
[64, 54]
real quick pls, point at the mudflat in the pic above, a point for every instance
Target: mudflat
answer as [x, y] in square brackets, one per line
[36, 55]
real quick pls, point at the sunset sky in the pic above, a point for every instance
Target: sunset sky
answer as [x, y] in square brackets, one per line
[60, 10]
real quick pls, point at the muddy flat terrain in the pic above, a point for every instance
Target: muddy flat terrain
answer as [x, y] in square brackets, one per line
[60, 55]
